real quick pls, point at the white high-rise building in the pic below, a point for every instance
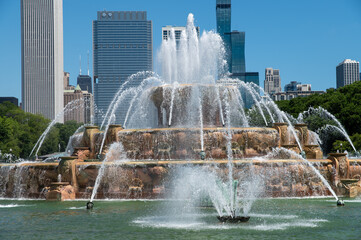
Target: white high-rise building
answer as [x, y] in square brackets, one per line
[347, 72]
[167, 31]
[42, 57]
[272, 82]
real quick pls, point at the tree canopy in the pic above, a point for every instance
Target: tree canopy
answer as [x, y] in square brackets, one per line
[19, 132]
[344, 103]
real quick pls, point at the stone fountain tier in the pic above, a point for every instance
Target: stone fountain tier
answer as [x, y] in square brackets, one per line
[186, 96]
[185, 143]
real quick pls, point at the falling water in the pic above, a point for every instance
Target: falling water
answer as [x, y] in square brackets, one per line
[131, 78]
[220, 105]
[326, 113]
[175, 85]
[229, 152]
[340, 131]
[134, 91]
[115, 154]
[201, 122]
[249, 89]
[324, 181]
[71, 106]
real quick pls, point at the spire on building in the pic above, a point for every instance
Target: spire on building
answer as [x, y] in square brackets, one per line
[79, 64]
[88, 62]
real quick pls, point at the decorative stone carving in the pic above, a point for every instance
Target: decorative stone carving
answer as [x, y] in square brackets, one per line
[313, 152]
[303, 129]
[342, 164]
[282, 129]
[89, 139]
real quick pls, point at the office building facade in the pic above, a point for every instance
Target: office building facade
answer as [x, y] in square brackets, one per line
[347, 72]
[167, 31]
[291, 87]
[81, 109]
[13, 100]
[272, 82]
[42, 57]
[122, 46]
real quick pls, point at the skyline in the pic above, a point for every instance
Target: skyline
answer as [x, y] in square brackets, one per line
[305, 43]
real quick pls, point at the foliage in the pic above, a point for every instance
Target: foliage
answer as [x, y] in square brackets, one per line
[344, 103]
[19, 132]
[346, 146]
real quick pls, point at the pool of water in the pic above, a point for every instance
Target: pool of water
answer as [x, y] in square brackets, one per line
[270, 219]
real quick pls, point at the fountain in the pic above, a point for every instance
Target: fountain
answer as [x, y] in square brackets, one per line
[188, 137]
[198, 118]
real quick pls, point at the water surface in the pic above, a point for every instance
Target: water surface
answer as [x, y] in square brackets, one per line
[270, 219]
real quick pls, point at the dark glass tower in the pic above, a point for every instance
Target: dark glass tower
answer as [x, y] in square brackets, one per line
[223, 12]
[85, 83]
[238, 56]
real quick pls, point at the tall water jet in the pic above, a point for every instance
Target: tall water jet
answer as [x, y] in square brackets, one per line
[132, 77]
[115, 154]
[71, 106]
[342, 131]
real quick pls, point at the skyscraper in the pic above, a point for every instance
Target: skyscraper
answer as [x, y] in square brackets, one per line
[238, 61]
[234, 41]
[224, 16]
[42, 56]
[166, 32]
[272, 82]
[122, 45]
[347, 72]
[85, 83]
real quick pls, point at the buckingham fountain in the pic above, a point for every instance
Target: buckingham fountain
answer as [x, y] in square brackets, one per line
[190, 137]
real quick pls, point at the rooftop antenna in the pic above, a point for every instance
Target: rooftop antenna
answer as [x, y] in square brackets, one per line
[88, 63]
[79, 64]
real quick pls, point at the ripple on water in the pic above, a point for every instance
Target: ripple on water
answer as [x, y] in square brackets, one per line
[191, 224]
[13, 205]
[75, 208]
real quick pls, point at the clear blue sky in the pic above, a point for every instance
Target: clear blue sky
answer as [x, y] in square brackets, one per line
[305, 39]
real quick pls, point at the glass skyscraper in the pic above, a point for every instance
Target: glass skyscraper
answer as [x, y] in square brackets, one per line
[85, 83]
[238, 63]
[223, 12]
[122, 46]
[234, 41]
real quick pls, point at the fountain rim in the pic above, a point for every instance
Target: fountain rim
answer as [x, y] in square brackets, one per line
[91, 127]
[185, 129]
[301, 125]
[337, 154]
[194, 84]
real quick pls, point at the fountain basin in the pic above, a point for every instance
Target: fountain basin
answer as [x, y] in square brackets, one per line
[184, 143]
